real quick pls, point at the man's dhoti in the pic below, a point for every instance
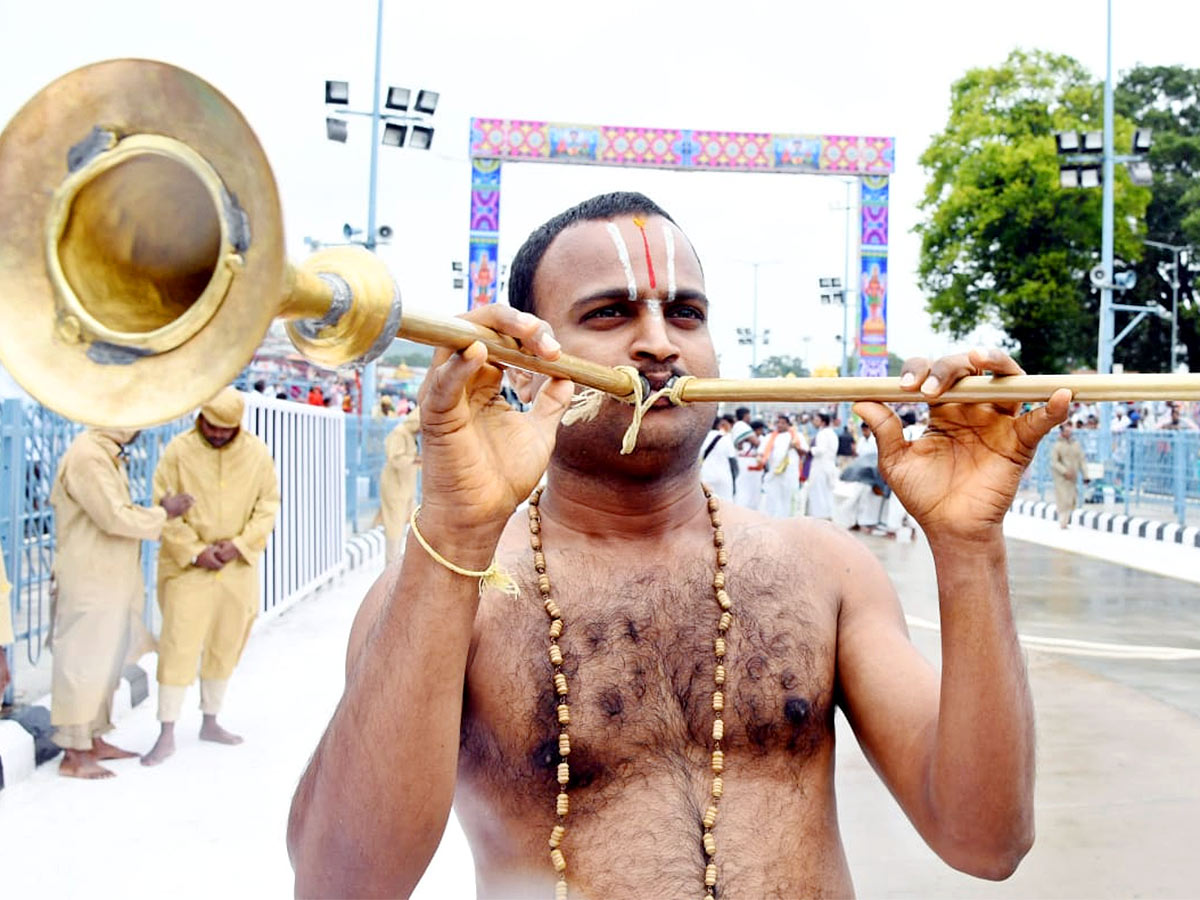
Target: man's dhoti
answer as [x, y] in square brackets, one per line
[1065, 497]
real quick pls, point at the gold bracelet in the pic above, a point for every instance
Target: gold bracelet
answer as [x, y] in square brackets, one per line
[493, 576]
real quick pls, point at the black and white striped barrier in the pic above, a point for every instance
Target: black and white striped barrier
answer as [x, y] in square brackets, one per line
[1133, 526]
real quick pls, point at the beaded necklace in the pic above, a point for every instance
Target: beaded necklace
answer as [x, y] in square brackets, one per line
[562, 801]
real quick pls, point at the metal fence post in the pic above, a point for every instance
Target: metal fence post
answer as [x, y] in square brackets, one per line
[11, 496]
[1179, 470]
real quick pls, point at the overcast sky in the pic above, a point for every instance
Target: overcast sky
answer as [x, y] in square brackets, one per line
[870, 68]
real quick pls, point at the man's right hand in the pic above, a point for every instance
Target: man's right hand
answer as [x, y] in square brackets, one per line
[209, 558]
[480, 458]
[177, 504]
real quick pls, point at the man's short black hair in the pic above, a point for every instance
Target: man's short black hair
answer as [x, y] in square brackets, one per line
[742, 412]
[529, 257]
[824, 418]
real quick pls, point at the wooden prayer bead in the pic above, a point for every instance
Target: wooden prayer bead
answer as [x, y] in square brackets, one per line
[718, 762]
[719, 646]
[560, 891]
[718, 729]
[552, 609]
[564, 714]
[715, 520]
[723, 600]
[722, 557]
[535, 541]
[556, 657]
[564, 745]
[564, 773]
[713, 504]
[719, 538]
[556, 629]
[724, 622]
[719, 675]
[710, 875]
[544, 584]
[562, 805]
[719, 580]
[718, 787]
[560, 684]
[710, 844]
[557, 859]
[556, 836]
[710, 817]
[539, 562]
[718, 701]
[534, 525]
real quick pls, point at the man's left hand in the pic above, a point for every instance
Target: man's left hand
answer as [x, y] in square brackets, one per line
[227, 551]
[960, 477]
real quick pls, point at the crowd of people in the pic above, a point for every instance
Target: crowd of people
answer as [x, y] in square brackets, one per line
[1169, 415]
[794, 466]
[336, 394]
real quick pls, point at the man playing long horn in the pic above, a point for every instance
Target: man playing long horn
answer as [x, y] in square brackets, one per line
[652, 715]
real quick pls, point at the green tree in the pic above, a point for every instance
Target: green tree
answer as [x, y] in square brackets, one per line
[1167, 100]
[1001, 242]
[780, 366]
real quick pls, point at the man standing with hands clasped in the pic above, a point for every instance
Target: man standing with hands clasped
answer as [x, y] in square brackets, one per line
[208, 567]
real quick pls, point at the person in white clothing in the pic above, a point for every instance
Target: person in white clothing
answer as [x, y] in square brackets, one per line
[718, 459]
[749, 485]
[897, 515]
[780, 458]
[823, 474]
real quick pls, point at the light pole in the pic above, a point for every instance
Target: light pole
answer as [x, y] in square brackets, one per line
[1180, 255]
[832, 291]
[400, 126]
[752, 335]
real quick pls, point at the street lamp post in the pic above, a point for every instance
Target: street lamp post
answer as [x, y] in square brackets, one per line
[1179, 254]
[832, 291]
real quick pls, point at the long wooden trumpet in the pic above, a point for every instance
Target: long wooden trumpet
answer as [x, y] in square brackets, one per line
[142, 261]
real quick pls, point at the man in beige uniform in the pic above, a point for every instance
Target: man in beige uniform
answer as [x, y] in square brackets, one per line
[398, 481]
[97, 618]
[1066, 465]
[614, 678]
[6, 628]
[208, 584]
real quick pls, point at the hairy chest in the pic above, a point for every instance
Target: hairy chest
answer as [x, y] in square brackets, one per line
[638, 655]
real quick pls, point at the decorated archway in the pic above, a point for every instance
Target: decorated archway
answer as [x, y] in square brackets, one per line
[870, 159]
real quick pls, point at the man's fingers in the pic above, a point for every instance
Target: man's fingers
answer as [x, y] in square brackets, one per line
[885, 425]
[945, 372]
[445, 384]
[994, 360]
[913, 373]
[551, 402]
[1037, 423]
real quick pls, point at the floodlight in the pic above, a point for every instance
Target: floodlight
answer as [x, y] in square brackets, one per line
[397, 98]
[1142, 139]
[1068, 178]
[835, 282]
[1140, 173]
[456, 266]
[422, 137]
[827, 298]
[458, 283]
[824, 282]
[335, 130]
[766, 336]
[394, 135]
[337, 92]
[1067, 141]
[1093, 142]
[1089, 176]
[427, 102]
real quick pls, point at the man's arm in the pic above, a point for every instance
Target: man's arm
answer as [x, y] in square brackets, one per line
[94, 483]
[179, 539]
[959, 755]
[253, 538]
[373, 802]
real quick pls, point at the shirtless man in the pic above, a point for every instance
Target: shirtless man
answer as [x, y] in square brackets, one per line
[449, 695]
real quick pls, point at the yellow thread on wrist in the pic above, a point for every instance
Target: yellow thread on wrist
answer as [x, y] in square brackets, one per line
[493, 576]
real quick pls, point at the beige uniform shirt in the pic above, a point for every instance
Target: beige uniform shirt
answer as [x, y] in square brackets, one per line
[6, 626]
[398, 481]
[237, 496]
[1067, 460]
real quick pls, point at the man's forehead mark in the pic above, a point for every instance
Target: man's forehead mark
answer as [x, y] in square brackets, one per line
[641, 227]
[669, 240]
[623, 253]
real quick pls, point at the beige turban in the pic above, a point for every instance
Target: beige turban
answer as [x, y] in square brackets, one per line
[225, 409]
[121, 436]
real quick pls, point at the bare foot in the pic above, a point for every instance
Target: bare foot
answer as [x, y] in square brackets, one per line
[80, 764]
[211, 731]
[102, 749]
[163, 747]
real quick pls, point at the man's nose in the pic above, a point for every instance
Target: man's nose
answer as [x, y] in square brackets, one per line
[653, 339]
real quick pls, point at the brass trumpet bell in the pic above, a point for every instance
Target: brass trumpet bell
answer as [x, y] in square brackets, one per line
[142, 257]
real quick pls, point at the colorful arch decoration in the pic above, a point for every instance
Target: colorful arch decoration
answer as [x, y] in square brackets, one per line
[870, 159]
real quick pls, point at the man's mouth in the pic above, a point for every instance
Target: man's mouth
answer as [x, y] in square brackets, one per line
[652, 382]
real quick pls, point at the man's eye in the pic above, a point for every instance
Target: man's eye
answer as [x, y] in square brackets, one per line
[686, 312]
[605, 312]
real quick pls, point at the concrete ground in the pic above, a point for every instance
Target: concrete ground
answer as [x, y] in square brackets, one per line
[1118, 794]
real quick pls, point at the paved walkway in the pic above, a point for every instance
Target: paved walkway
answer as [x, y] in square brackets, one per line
[1118, 797]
